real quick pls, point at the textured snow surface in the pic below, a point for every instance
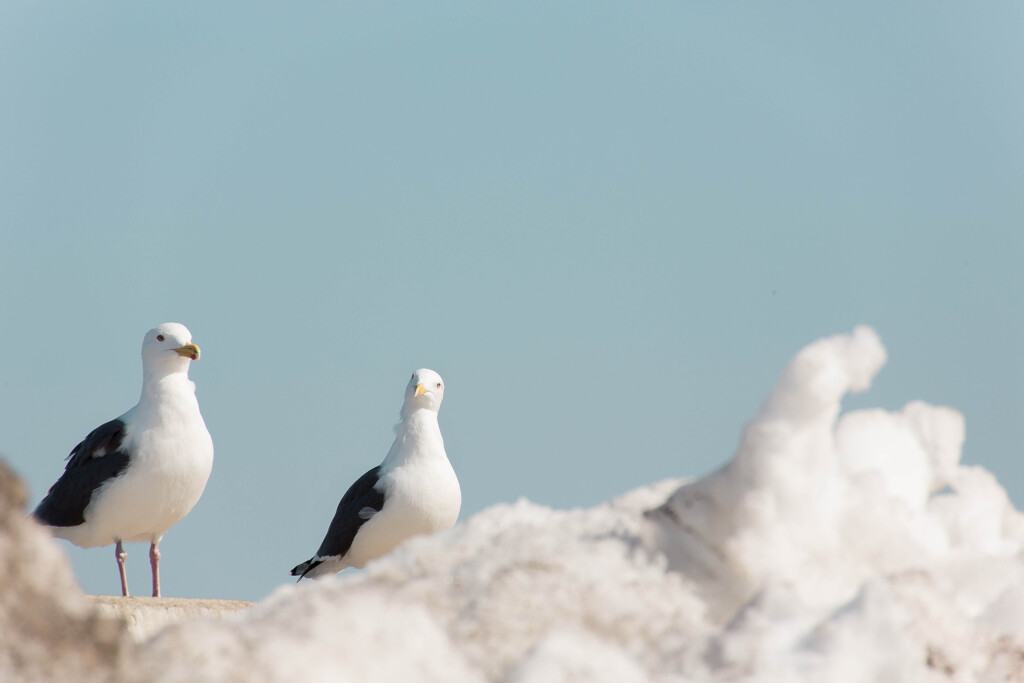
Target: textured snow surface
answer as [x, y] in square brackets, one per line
[42, 611]
[832, 547]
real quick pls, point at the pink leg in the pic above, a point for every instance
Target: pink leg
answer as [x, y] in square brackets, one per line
[154, 563]
[122, 556]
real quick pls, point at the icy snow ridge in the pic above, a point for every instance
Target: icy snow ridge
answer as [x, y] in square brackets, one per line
[830, 548]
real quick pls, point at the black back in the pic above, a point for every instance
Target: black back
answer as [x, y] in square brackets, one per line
[96, 460]
[347, 520]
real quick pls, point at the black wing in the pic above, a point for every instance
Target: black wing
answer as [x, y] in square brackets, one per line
[91, 463]
[350, 515]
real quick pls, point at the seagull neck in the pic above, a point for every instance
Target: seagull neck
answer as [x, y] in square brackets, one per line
[156, 384]
[418, 421]
[417, 436]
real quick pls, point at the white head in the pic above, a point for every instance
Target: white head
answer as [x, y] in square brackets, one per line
[168, 348]
[425, 390]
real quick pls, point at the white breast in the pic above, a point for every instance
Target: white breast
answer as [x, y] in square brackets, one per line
[424, 497]
[171, 459]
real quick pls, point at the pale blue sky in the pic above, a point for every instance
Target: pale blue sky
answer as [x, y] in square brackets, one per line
[607, 225]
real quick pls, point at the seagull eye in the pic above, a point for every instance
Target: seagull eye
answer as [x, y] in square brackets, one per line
[438, 385]
[159, 337]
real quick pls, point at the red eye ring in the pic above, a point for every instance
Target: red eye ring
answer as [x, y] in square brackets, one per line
[159, 337]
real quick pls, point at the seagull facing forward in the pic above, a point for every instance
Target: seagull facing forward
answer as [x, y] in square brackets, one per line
[414, 491]
[133, 478]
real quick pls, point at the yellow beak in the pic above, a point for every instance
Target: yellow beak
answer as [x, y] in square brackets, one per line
[420, 390]
[188, 351]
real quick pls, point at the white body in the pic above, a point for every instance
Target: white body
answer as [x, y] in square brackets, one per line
[422, 493]
[172, 456]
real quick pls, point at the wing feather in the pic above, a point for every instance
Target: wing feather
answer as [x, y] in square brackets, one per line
[93, 462]
[351, 514]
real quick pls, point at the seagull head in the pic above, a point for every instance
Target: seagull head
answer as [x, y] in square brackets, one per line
[168, 348]
[425, 390]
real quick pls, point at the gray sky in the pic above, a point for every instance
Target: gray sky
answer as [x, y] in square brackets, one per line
[608, 226]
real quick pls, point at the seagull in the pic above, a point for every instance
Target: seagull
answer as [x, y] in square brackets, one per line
[414, 491]
[133, 478]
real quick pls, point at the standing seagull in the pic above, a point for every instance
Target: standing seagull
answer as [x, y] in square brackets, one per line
[136, 476]
[414, 491]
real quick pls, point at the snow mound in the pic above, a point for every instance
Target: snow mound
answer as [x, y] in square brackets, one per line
[42, 610]
[831, 547]
[518, 591]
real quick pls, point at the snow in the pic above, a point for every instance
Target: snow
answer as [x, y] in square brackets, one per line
[838, 547]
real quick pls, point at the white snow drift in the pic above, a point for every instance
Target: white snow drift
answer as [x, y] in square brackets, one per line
[832, 547]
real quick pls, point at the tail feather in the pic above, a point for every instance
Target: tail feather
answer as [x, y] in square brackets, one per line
[300, 570]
